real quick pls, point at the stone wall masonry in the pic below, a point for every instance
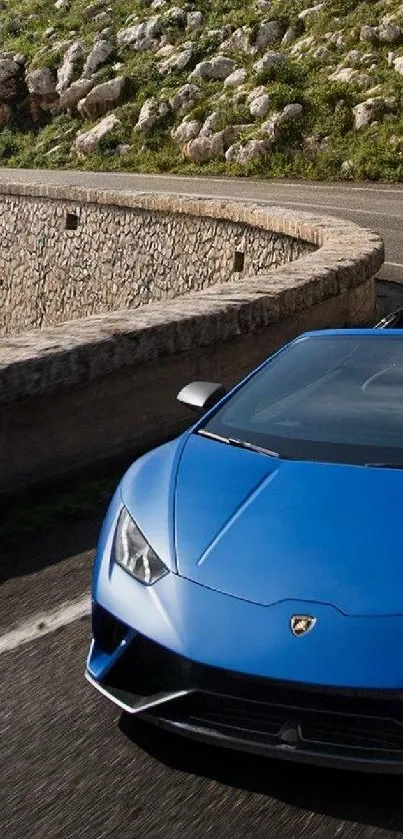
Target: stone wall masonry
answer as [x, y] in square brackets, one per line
[117, 257]
[96, 387]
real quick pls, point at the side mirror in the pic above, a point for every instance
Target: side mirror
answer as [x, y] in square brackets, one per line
[201, 396]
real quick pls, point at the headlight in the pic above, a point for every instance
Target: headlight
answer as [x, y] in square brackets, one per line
[134, 554]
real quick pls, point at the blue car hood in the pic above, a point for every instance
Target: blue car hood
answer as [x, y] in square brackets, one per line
[267, 531]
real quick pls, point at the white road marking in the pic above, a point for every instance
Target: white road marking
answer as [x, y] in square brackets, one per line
[44, 624]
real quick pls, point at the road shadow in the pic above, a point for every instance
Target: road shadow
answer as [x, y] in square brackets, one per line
[372, 800]
[35, 552]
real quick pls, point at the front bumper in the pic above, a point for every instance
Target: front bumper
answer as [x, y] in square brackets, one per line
[356, 729]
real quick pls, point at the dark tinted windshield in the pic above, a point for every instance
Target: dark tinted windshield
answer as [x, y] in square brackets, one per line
[336, 398]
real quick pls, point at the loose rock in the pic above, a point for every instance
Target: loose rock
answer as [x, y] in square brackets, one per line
[176, 62]
[311, 13]
[186, 131]
[207, 147]
[151, 114]
[269, 33]
[102, 98]
[185, 99]
[270, 59]
[87, 142]
[10, 73]
[70, 98]
[98, 56]
[367, 112]
[73, 59]
[369, 34]
[41, 82]
[244, 153]
[260, 106]
[216, 70]
[236, 79]
[388, 33]
[194, 20]
[142, 33]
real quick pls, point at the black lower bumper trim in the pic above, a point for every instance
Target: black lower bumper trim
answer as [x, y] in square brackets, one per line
[274, 750]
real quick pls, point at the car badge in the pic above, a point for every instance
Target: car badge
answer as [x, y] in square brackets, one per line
[301, 624]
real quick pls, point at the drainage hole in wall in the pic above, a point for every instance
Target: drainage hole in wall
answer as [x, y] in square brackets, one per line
[239, 261]
[71, 221]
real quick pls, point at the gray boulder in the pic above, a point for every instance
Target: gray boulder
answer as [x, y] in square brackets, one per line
[236, 79]
[290, 36]
[139, 34]
[98, 56]
[310, 14]
[239, 41]
[186, 131]
[270, 59]
[269, 33]
[291, 112]
[260, 106]
[41, 82]
[176, 15]
[87, 142]
[194, 21]
[102, 98]
[347, 74]
[10, 73]
[77, 91]
[217, 69]
[245, 152]
[369, 34]
[389, 33]
[185, 99]
[151, 114]
[367, 112]
[73, 59]
[177, 61]
[207, 147]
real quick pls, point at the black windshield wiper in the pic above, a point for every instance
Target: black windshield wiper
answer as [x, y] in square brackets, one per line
[240, 444]
[385, 465]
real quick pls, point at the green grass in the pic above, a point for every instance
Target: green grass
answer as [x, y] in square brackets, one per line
[374, 153]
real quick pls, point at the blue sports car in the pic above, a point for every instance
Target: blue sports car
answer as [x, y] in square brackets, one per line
[248, 582]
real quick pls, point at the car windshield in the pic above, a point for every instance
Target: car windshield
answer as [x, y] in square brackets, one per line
[336, 398]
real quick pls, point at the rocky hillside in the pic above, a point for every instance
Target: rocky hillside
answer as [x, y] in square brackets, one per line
[266, 87]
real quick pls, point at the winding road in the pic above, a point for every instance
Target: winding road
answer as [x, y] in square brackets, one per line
[70, 768]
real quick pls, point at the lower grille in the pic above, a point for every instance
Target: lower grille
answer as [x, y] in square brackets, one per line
[350, 723]
[288, 725]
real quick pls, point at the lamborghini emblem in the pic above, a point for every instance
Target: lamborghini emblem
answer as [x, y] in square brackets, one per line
[301, 624]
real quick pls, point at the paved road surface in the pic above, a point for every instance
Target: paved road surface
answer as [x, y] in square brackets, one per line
[378, 207]
[70, 768]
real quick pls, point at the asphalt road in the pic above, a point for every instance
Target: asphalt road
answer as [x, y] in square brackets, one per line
[70, 766]
[379, 207]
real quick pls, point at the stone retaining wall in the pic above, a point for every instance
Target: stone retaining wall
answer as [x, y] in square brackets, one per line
[94, 388]
[117, 256]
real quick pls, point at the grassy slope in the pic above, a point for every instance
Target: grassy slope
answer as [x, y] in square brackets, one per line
[376, 153]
